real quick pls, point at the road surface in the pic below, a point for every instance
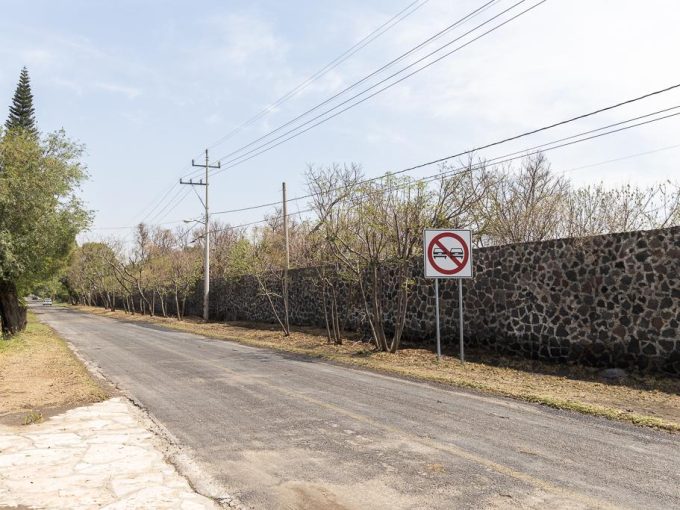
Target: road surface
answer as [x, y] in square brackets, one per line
[279, 431]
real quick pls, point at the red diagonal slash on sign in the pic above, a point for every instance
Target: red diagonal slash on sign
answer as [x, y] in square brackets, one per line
[460, 264]
[447, 252]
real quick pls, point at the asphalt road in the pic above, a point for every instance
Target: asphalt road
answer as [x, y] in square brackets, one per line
[283, 432]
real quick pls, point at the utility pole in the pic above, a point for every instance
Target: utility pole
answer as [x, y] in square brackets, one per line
[285, 226]
[285, 272]
[206, 225]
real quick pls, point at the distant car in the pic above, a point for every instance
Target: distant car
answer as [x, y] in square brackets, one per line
[438, 253]
[47, 302]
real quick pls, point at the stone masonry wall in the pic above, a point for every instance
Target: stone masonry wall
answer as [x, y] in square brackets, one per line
[606, 301]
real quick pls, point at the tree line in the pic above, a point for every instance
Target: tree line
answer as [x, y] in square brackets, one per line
[40, 211]
[359, 229]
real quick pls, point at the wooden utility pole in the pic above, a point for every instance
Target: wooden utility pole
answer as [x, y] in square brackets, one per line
[287, 266]
[206, 235]
[285, 225]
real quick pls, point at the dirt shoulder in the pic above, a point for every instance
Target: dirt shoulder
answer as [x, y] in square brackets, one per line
[40, 376]
[642, 400]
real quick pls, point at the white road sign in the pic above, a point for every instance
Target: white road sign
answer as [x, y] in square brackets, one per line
[448, 253]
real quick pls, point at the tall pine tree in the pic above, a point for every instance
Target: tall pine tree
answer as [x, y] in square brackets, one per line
[21, 112]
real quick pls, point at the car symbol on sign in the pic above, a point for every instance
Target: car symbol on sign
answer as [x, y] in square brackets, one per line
[438, 253]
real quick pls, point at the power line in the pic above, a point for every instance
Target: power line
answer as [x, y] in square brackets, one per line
[507, 158]
[522, 153]
[177, 199]
[133, 226]
[243, 225]
[573, 119]
[494, 162]
[235, 160]
[623, 158]
[499, 160]
[324, 120]
[477, 149]
[469, 16]
[386, 66]
[158, 202]
[155, 201]
[173, 198]
[263, 148]
[492, 144]
[609, 126]
[365, 41]
[542, 146]
[259, 206]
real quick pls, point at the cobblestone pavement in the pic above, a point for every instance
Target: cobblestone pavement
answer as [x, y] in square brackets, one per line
[97, 456]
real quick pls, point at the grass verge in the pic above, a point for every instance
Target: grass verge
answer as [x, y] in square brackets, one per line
[641, 400]
[39, 373]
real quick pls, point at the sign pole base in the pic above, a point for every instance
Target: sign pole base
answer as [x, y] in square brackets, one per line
[436, 307]
[460, 319]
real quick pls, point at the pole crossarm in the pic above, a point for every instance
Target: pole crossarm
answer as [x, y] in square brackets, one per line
[203, 165]
[191, 182]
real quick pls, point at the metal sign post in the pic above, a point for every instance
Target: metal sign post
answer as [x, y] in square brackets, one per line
[448, 254]
[460, 319]
[436, 307]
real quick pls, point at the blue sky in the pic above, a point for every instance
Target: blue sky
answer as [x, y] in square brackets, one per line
[146, 85]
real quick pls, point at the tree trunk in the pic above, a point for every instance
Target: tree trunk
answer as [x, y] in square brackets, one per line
[335, 316]
[376, 309]
[325, 310]
[401, 309]
[266, 293]
[161, 298]
[143, 300]
[285, 304]
[177, 309]
[12, 314]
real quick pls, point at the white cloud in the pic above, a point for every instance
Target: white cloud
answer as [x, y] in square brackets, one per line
[197, 74]
[137, 117]
[562, 59]
[243, 40]
[127, 91]
[37, 57]
[71, 85]
[214, 118]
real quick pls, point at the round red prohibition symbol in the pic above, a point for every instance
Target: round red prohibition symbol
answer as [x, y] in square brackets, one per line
[450, 253]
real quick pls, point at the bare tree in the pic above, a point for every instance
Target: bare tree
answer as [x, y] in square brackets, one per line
[525, 205]
[597, 209]
[266, 264]
[373, 228]
[184, 272]
[365, 236]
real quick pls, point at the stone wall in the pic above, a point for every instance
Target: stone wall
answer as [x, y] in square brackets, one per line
[606, 301]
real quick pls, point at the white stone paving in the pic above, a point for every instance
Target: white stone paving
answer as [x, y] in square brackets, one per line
[98, 456]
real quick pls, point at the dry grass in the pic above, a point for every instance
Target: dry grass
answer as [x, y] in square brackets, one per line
[38, 372]
[643, 400]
